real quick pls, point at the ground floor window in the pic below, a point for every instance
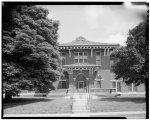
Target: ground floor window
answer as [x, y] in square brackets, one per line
[116, 84]
[63, 84]
[132, 88]
[113, 84]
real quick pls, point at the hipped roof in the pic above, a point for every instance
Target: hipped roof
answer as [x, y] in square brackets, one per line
[80, 41]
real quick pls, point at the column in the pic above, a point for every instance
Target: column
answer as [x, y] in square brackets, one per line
[91, 52]
[116, 86]
[69, 52]
[91, 82]
[105, 52]
[132, 87]
[108, 52]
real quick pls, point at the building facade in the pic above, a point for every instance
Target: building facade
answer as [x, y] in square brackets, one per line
[87, 65]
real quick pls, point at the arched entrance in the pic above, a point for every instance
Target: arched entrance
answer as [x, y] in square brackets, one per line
[64, 81]
[81, 82]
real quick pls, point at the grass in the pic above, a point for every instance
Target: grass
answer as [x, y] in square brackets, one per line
[117, 104]
[37, 105]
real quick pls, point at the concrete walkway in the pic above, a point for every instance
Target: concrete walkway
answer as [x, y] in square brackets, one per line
[80, 103]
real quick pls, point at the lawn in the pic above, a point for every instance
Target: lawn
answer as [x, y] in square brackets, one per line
[119, 104]
[37, 105]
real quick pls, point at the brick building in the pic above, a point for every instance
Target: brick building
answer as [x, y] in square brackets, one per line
[87, 66]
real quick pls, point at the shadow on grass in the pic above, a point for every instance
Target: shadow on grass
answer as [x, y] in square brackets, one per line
[23, 101]
[125, 99]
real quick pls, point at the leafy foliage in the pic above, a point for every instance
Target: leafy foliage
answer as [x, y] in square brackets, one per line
[30, 49]
[130, 61]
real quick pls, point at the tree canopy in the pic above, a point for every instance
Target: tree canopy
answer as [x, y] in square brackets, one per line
[130, 61]
[29, 49]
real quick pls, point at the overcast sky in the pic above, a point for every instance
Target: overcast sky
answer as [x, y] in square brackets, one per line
[97, 23]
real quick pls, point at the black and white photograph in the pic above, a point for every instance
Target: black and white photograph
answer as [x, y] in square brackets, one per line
[75, 60]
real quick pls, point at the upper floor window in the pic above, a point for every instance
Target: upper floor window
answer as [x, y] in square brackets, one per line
[80, 57]
[98, 58]
[132, 88]
[63, 58]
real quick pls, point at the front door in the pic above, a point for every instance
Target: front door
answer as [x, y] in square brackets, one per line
[80, 84]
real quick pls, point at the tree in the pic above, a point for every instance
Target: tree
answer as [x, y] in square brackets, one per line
[130, 61]
[29, 49]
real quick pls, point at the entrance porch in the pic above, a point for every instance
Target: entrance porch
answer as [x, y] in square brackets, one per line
[81, 76]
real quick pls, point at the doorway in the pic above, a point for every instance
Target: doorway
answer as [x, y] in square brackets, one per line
[80, 84]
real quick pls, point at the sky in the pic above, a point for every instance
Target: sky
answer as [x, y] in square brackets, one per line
[97, 23]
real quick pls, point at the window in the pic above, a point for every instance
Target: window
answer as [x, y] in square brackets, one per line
[118, 86]
[132, 88]
[98, 58]
[63, 84]
[113, 84]
[75, 60]
[76, 55]
[80, 57]
[85, 57]
[63, 56]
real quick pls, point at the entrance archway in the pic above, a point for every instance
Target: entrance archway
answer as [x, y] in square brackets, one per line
[64, 81]
[81, 82]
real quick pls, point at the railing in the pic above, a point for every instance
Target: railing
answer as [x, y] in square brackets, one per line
[103, 91]
[106, 90]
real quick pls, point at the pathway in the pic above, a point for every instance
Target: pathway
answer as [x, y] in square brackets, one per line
[80, 103]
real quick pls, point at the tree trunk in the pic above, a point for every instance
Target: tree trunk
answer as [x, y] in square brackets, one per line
[8, 97]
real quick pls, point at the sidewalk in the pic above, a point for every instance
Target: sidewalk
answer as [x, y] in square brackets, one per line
[80, 103]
